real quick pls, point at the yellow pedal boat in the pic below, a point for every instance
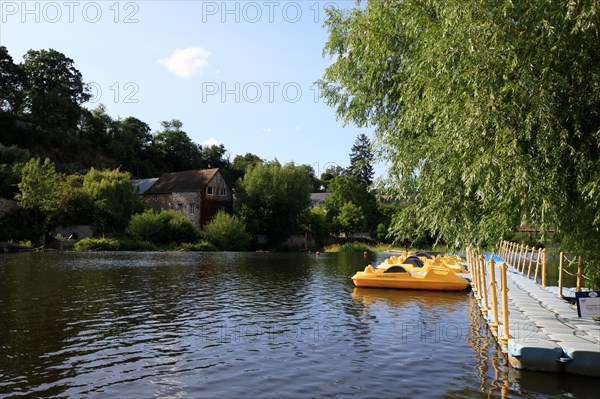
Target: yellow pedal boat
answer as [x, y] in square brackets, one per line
[420, 259]
[409, 277]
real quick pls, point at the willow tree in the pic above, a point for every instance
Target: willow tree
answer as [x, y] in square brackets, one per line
[487, 112]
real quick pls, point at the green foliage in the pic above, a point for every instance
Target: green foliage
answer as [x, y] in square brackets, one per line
[53, 89]
[173, 149]
[113, 194]
[126, 244]
[354, 247]
[162, 227]
[488, 112]
[350, 207]
[330, 173]
[350, 218]
[382, 232]
[361, 160]
[275, 197]
[11, 161]
[241, 163]
[314, 220]
[11, 81]
[41, 187]
[228, 232]
[97, 244]
[197, 247]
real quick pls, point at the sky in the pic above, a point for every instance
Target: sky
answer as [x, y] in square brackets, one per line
[237, 73]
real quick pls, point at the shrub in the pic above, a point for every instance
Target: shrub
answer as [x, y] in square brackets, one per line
[162, 227]
[134, 245]
[354, 247]
[97, 244]
[228, 232]
[199, 246]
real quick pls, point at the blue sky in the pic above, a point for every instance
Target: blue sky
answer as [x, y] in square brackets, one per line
[240, 73]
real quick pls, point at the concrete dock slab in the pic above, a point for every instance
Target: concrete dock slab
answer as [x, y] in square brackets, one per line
[545, 332]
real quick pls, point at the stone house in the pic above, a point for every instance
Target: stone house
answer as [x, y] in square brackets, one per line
[198, 194]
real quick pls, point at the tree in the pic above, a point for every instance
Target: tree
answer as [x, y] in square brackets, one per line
[361, 160]
[173, 150]
[114, 196]
[53, 89]
[330, 173]
[275, 197]
[241, 163]
[40, 190]
[350, 218]
[348, 189]
[11, 83]
[487, 111]
[227, 232]
[11, 162]
[40, 187]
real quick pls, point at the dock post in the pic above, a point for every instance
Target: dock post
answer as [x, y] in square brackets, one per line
[475, 276]
[560, 273]
[494, 292]
[504, 290]
[521, 254]
[530, 262]
[578, 289]
[537, 264]
[544, 268]
[484, 309]
[517, 252]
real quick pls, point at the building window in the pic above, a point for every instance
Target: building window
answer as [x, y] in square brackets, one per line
[222, 208]
[209, 190]
[154, 197]
[192, 208]
[180, 207]
[223, 192]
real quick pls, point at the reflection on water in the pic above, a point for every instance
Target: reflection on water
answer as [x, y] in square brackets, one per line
[241, 324]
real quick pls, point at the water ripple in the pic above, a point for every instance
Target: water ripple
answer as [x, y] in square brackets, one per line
[234, 325]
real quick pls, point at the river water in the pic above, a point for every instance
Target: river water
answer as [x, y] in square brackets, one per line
[242, 325]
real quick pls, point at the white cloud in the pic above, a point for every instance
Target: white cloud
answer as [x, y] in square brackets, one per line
[210, 142]
[299, 128]
[186, 62]
[267, 130]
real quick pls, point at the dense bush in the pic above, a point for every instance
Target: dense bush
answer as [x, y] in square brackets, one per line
[97, 244]
[355, 247]
[162, 227]
[199, 246]
[228, 232]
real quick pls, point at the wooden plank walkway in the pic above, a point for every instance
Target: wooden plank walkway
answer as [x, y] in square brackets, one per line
[545, 332]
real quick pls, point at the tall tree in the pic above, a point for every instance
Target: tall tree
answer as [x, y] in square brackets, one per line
[488, 111]
[275, 198]
[11, 83]
[241, 163]
[330, 173]
[173, 150]
[53, 88]
[361, 160]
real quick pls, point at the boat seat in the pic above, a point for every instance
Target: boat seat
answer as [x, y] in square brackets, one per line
[395, 269]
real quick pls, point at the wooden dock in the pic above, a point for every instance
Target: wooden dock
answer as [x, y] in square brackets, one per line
[544, 331]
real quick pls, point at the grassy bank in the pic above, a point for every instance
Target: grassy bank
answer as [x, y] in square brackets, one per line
[380, 247]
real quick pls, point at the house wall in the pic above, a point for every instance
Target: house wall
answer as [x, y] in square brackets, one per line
[205, 205]
[184, 202]
[216, 202]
